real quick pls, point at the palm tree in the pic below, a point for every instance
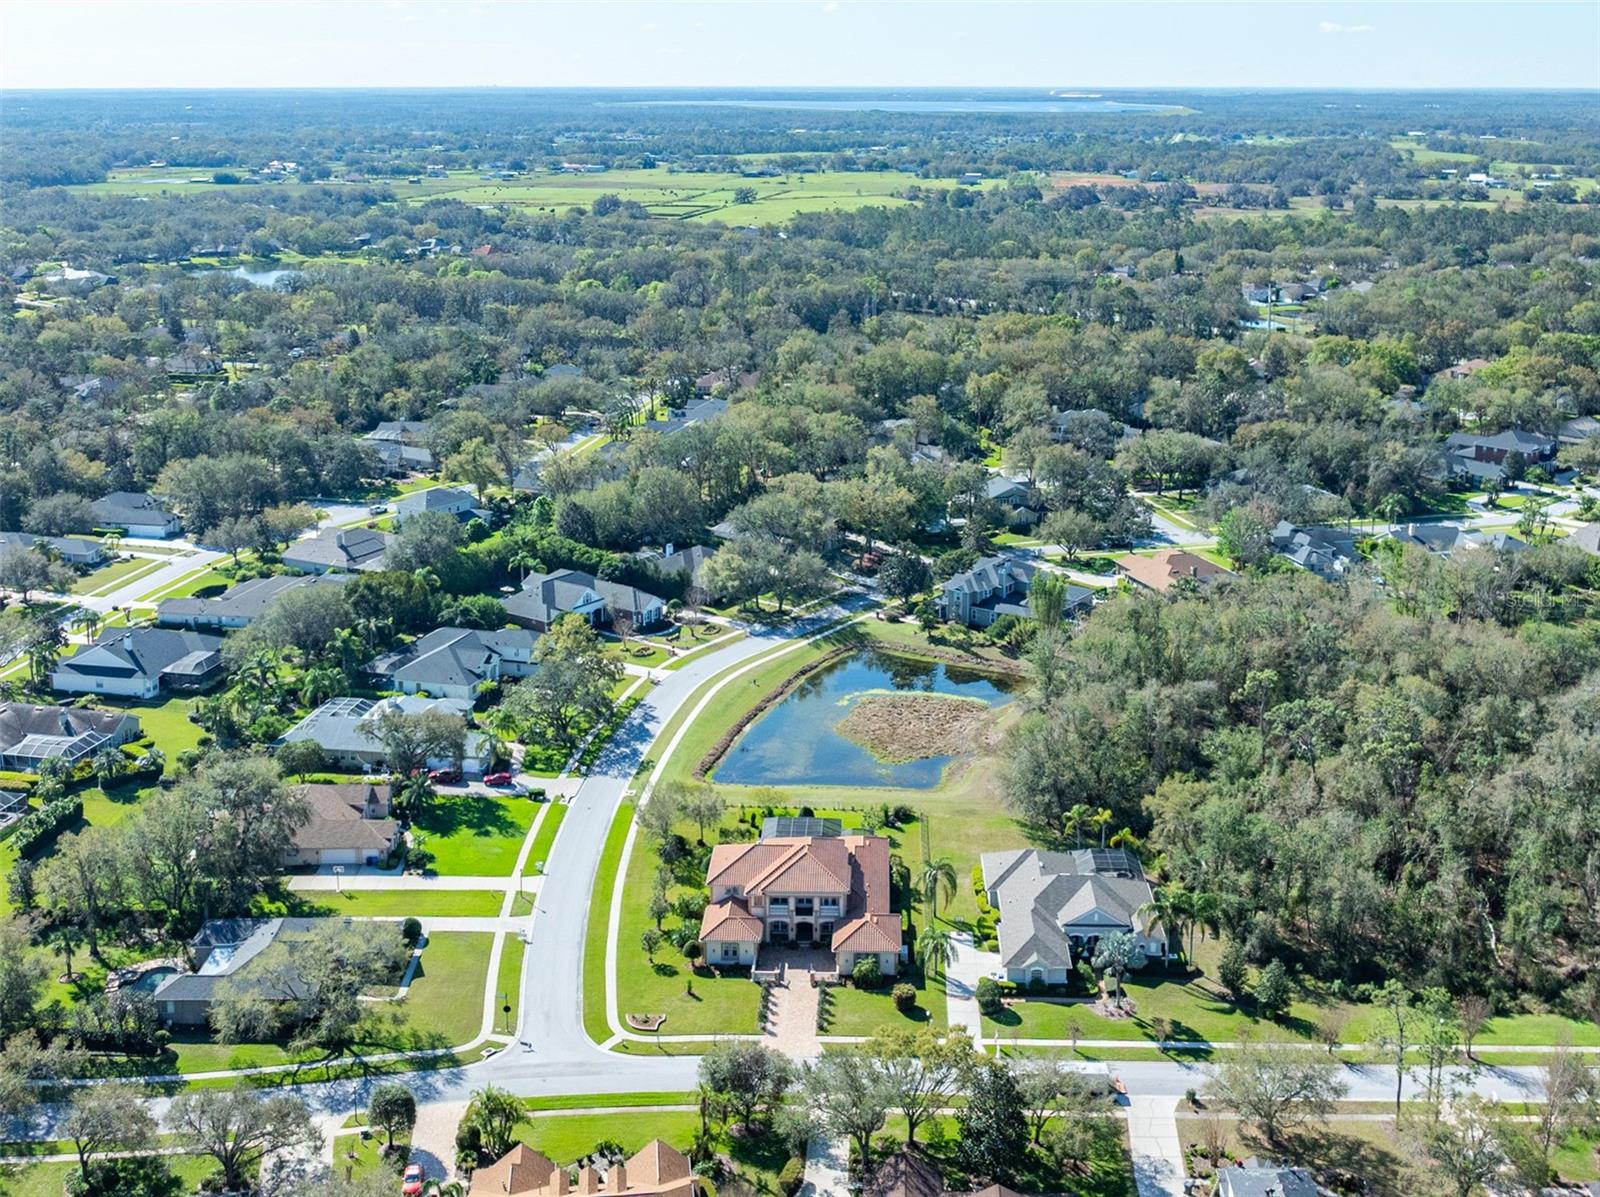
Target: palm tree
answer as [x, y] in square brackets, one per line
[522, 561]
[1170, 907]
[1100, 819]
[937, 876]
[320, 684]
[936, 950]
[346, 645]
[259, 669]
[108, 764]
[1074, 821]
[89, 620]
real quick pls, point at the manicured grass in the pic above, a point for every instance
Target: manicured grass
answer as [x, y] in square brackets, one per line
[587, 1101]
[539, 853]
[509, 982]
[386, 903]
[862, 1012]
[114, 574]
[475, 835]
[1110, 1171]
[47, 1179]
[594, 941]
[165, 723]
[443, 1008]
[567, 1137]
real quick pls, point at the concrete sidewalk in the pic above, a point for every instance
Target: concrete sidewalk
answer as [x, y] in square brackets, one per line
[322, 882]
[827, 1169]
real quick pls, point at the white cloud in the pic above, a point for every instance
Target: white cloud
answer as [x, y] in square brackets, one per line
[831, 6]
[1336, 27]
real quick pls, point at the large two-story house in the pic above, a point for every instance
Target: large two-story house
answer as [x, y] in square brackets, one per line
[810, 890]
[997, 586]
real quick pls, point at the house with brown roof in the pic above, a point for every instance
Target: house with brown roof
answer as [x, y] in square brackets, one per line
[909, 1174]
[803, 891]
[1165, 569]
[656, 1170]
[349, 824]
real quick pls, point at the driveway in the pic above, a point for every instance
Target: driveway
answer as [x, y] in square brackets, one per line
[1153, 1141]
[961, 983]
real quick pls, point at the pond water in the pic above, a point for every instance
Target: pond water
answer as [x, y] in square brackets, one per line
[255, 276]
[795, 743]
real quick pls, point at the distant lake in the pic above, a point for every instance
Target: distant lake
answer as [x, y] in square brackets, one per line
[255, 277]
[1064, 107]
[795, 743]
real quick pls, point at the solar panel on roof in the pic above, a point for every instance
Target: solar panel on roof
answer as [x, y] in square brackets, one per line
[793, 826]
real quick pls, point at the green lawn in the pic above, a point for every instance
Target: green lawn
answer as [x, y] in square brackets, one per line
[587, 1101]
[509, 982]
[594, 941]
[443, 1008]
[46, 1180]
[385, 903]
[857, 1012]
[114, 574]
[566, 1137]
[475, 835]
[1110, 1172]
[544, 838]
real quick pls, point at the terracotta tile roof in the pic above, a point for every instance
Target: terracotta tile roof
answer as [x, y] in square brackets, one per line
[657, 1165]
[1162, 569]
[730, 921]
[520, 1170]
[870, 933]
[809, 866]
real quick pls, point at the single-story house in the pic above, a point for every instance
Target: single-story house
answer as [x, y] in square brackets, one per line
[1586, 538]
[802, 890]
[1445, 539]
[1056, 906]
[136, 513]
[446, 500]
[689, 561]
[997, 586]
[1256, 1180]
[1165, 569]
[907, 1173]
[456, 662]
[338, 549]
[655, 1170]
[225, 952]
[73, 550]
[349, 824]
[346, 730]
[1466, 368]
[141, 663]
[31, 735]
[238, 606]
[1326, 552]
[725, 380]
[1578, 430]
[545, 598]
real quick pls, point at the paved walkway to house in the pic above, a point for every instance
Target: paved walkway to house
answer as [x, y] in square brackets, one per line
[1157, 1151]
[827, 1168]
[377, 880]
[961, 984]
[792, 1022]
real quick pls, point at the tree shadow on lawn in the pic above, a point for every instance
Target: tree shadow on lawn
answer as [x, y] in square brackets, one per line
[477, 814]
[1325, 1149]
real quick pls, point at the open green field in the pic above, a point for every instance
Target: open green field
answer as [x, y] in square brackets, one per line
[665, 192]
[475, 835]
[48, 1179]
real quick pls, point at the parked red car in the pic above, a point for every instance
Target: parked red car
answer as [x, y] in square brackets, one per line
[411, 1182]
[447, 777]
[497, 779]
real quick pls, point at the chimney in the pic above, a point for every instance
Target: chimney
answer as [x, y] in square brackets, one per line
[617, 1178]
[558, 1183]
[588, 1179]
[340, 538]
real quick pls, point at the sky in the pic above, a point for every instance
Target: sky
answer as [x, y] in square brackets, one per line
[773, 43]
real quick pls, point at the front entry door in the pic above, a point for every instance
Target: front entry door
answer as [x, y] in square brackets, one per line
[804, 933]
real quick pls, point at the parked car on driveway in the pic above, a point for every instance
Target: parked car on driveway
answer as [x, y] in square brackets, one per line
[444, 777]
[497, 779]
[411, 1183]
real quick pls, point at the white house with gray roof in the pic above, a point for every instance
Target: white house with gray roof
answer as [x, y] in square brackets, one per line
[456, 662]
[545, 598]
[240, 605]
[1256, 1180]
[347, 549]
[997, 586]
[141, 663]
[31, 735]
[445, 500]
[136, 513]
[73, 550]
[347, 731]
[1055, 907]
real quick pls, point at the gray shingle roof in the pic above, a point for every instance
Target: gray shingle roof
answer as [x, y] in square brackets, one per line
[245, 601]
[1042, 892]
[545, 597]
[144, 653]
[453, 656]
[339, 548]
[123, 508]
